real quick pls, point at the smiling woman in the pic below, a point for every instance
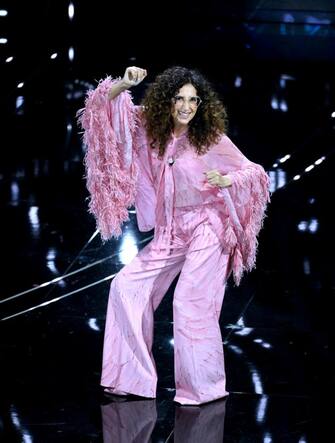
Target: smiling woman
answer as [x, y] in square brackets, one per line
[184, 108]
[171, 158]
[181, 99]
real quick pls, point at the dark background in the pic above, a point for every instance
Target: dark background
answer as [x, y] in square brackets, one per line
[273, 64]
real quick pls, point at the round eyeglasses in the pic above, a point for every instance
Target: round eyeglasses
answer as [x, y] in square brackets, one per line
[193, 101]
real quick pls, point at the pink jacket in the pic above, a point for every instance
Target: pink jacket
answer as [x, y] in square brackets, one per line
[122, 170]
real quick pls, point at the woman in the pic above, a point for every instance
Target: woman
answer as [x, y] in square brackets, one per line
[170, 158]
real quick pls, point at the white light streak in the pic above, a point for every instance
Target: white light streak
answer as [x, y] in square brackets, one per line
[71, 10]
[69, 274]
[236, 349]
[238, 81]
[34, 220]
[51, 264]
[307, 266]
[285, 158]
[302, 226]
[267, 438]
[313, 225]
[92, 323]
[71, 53]
[54, 300]
[277, 179]
[3, 12]
[283, 80]
[261, 409]
[283, 105]
[319, 160]
[15, 192]
[51, 255]
[263, 343]
[274, 103]
[129, 248]
[9, 59]
[257, 381]
[281, 178]
[26, 437]
[15, 418]
[272, 175]
[244, 331]
[19, 101]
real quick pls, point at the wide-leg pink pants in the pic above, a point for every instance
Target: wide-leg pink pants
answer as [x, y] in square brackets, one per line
[135, 293]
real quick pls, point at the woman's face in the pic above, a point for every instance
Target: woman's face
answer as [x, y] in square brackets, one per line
[184, 106]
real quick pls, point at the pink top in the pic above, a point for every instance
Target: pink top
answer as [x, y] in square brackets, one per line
[123, 170]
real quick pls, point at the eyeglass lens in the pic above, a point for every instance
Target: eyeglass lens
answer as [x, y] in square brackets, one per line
[193, 101]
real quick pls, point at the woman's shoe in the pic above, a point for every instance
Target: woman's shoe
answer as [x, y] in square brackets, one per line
[115, 391]
[116, 395]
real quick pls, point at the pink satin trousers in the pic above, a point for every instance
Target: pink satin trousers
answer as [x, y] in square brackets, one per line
[136, 292]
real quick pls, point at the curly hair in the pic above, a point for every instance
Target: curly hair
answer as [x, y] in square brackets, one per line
[209, 122]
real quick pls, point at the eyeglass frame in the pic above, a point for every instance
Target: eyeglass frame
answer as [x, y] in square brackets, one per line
[196, 105]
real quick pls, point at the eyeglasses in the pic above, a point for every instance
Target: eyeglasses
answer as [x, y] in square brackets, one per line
[193, 101]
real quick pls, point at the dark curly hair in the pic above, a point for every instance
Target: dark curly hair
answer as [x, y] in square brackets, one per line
[209, 122]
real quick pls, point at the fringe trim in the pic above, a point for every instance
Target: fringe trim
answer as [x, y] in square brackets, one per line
[108, 132]
[254, 179]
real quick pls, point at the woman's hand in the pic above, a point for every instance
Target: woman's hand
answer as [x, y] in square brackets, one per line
[215, 178]
[133, 76]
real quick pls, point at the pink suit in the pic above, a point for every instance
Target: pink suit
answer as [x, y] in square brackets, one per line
[201, 231]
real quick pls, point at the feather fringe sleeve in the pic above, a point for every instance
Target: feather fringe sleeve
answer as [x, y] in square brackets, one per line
[109, 128]
[249, 195]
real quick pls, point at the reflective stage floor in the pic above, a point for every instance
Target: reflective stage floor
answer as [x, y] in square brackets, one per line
[56, 274]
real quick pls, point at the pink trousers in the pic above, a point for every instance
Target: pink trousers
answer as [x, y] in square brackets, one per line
[136, 292]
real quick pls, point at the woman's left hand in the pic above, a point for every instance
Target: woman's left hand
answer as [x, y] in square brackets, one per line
[215, 178]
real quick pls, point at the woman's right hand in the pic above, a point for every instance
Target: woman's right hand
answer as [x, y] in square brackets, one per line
[133, 76]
